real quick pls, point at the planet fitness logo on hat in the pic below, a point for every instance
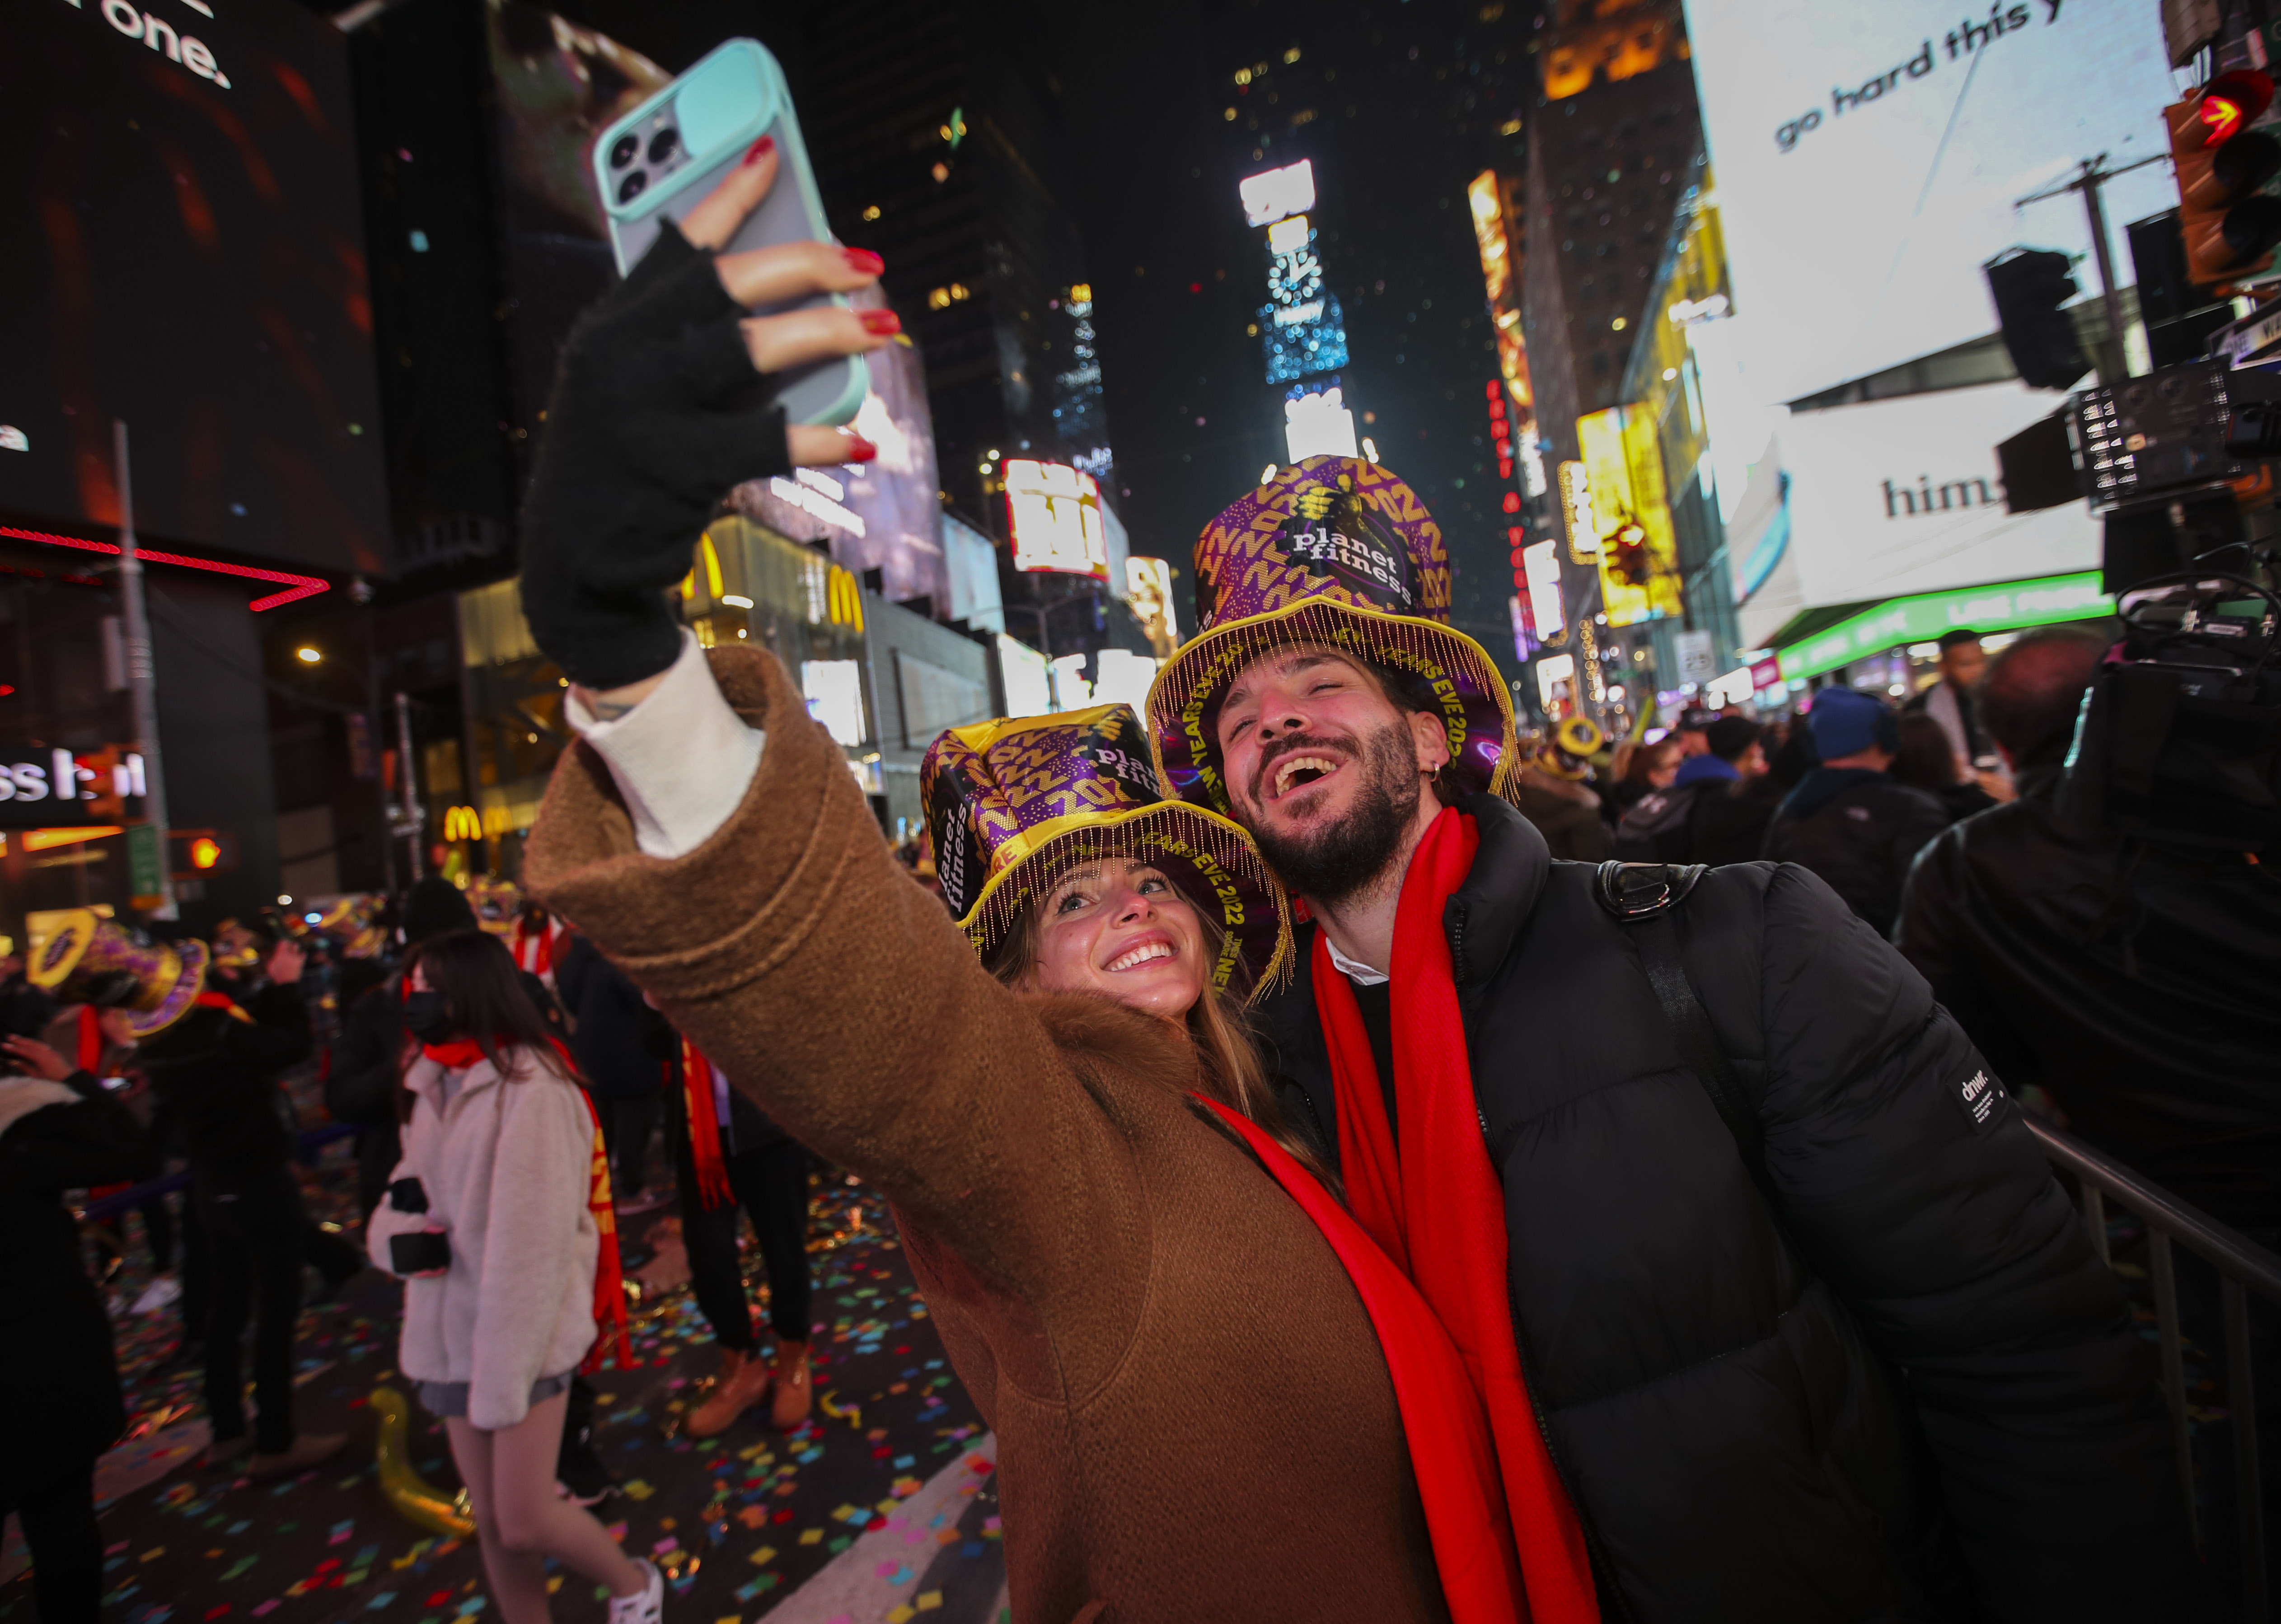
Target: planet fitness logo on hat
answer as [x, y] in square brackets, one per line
[1345, 542]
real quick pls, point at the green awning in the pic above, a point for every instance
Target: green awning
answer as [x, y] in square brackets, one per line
[2005, 606]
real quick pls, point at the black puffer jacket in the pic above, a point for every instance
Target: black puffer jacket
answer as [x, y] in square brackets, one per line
[1914, 1393]
[56, 1356]
[2133, 981]
[1858, 831]
[215, 1073]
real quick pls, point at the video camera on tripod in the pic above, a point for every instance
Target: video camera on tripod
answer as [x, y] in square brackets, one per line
[2179, 739]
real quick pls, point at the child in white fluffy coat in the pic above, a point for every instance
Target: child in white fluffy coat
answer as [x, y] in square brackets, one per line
[497, 1167]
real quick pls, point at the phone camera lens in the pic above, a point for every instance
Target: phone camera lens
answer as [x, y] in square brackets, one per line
[623, 149]
[630, 188]
[662, 144]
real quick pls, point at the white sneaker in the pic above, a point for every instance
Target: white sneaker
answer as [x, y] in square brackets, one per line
[646, 1607]
[162, 1292]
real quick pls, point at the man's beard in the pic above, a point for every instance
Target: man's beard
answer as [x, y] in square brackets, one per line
[1330, 865]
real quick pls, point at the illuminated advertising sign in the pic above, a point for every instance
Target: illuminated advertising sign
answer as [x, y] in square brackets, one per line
[1501, 273]
[1053, 513]
[834, 691]
[1556, 684]
[1316, 423]
[1923, 618]
[1276, 194]
[1026, 677]
[1541, 564]
[1639, 552]
[1871, 162]
[1302, 327]
[188, 257]
[1892, 498]
[42, 787]
[1577, 509]
[882, 514]
[1148, 583]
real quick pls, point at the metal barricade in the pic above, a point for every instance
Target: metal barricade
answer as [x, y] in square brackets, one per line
[2243, 1267]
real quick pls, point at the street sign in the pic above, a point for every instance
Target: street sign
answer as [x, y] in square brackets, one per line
[144, 873]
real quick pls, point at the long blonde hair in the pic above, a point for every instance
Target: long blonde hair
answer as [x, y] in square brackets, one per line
[1229, 1068]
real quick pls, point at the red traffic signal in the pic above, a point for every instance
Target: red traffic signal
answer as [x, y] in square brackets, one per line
[2229, 227]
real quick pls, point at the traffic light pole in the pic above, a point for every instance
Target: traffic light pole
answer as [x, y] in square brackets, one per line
[142, 685]
[2114, 365]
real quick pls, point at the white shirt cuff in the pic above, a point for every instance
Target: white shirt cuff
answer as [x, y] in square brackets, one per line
[683, 759]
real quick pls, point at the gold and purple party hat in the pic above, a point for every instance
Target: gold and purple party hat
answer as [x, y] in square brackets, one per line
[1014, 804]
[1337, 552]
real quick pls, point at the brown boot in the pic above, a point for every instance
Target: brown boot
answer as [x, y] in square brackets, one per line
[795, 1393]
[743, 1381]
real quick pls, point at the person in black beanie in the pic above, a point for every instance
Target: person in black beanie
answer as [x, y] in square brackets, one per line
[58, 1131]
[361, 1089]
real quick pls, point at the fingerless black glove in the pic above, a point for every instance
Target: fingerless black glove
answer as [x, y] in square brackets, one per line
[656, 414]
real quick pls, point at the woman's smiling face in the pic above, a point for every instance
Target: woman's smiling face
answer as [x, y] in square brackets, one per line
[1119, 927]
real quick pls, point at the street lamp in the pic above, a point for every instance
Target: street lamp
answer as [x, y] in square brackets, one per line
[307, 656]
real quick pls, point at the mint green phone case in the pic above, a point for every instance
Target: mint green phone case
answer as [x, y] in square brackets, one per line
[661, 159]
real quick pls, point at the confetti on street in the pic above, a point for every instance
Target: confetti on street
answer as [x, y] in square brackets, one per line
[740, 1524]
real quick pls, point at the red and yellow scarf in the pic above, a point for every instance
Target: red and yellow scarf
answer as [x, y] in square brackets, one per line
[609, 1271]
[712, 1192]
[1436, 1205]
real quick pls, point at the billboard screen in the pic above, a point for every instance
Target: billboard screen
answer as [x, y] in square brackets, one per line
[1871, 158]
[189, 258]
[1053, 513]
[882, 514]
[1890, 498]
[1638, 552]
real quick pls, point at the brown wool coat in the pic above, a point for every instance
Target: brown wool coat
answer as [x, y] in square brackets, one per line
[1194, 1415]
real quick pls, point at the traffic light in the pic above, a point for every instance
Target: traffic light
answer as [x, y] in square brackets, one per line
[2029, 285]
[2230, 227]
[193, 853]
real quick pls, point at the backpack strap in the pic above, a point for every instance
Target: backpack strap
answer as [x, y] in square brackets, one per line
[1642, 897]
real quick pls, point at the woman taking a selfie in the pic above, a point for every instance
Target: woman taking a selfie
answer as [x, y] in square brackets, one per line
[494, 1221]
[1213, 1396]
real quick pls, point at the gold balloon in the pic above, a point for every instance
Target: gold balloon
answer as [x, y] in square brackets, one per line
[405, 1490]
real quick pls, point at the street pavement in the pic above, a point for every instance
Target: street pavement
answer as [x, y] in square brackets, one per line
[880, 1511]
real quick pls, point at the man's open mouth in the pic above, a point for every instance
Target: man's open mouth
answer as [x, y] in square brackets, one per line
[1294, 772]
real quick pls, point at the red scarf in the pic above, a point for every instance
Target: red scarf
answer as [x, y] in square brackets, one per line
[609, 1271]
[1444, 1224]
[1451, 1453]
[211, 1000]
[713, 1191]
[541, 958]
[91, 1037]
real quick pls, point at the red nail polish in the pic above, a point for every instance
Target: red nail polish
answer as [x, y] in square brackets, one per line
[766, 144]
[860, 450]
[864, 261]
[880, 320]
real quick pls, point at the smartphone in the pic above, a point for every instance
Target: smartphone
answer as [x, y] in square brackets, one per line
[662, 160]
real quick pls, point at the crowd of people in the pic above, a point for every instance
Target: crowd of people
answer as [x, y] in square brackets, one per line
[498, 1084]
[1562, 1187]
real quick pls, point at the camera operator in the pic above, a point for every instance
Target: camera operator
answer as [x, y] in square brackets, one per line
[2126, 971]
